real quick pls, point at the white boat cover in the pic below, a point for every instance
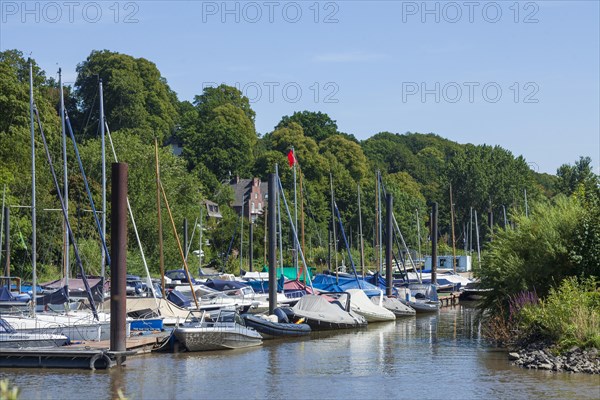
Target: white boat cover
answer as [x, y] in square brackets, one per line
[394, 305]
[318, 308]
[360, 304]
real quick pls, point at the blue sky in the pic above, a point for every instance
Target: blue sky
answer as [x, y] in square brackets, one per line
[523, 75]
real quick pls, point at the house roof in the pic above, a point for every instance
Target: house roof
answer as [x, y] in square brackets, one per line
[240, 189]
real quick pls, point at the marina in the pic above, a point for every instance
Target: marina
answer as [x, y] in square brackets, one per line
[428, 356]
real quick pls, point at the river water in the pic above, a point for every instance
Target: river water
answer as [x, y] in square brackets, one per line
[438, 356]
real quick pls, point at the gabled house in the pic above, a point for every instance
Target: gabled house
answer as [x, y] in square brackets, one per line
[252, 193]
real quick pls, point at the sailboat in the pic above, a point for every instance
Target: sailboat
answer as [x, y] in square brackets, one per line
[11, 339]
[276, 323]
[78, 325]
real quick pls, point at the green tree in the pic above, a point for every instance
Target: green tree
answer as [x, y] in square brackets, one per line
[136, 96]
[213, 97]
[581, 173]
[348, 154]
[316, 125]
[225, 143]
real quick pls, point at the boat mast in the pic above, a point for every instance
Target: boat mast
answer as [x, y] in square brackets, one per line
[242, 233]
[471, 231]
[419, 242]
[65, 182]
[200, 240]
[380, 223]
[453, 237]
[302, 243]
[334, 230]
[279, 230]
[103, 270]
[360, 233]
[2, 229]
[295, 215]
[477, 233]
[161, 257]
[33, 213]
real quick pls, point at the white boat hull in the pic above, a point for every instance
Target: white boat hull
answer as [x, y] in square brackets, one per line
[222, 337]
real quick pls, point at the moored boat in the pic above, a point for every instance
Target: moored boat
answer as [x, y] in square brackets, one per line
[225, 330]
[11, 339]
[394, 305]
[372, 312]
[322, 314]
[276, 325]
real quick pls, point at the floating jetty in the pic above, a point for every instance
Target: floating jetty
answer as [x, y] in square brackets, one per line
[449, 299]
[62, 358]
[86, 355]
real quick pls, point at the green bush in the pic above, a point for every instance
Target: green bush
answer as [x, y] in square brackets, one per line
[569, 316]
[537, 255]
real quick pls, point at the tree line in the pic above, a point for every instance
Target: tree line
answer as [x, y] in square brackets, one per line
[218, 140]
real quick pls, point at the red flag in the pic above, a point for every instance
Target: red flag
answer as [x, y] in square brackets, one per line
[291, 158]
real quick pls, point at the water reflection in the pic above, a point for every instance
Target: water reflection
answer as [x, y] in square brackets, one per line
[430, 356]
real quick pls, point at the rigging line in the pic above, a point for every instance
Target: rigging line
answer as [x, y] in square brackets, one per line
[294, 232]
[90, 113]
[187, 271]
[226, 255]
[337, 211]
[400, 234]
[137, 236]
[62, 204]
[310, 213]
[187, 251]
[87, 188]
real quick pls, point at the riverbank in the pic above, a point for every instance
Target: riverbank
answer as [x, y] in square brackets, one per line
[540, 356]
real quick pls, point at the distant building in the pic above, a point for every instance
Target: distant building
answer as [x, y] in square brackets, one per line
[212, 209]
[252, 193]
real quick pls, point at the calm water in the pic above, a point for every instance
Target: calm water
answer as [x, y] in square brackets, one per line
[430, 357]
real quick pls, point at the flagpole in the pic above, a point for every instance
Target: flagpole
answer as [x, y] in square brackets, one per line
[295, 214]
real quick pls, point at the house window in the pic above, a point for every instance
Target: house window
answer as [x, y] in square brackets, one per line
[255, 196]
[252, 206]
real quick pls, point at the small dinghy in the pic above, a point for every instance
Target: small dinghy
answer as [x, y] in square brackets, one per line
[276, 325]
[321, 314]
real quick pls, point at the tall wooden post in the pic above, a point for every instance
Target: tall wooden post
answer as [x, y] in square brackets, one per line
[118, 270]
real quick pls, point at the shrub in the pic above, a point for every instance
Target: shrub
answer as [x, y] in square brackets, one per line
[569, 316]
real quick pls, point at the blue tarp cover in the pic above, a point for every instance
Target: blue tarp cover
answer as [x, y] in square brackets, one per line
[179, 299]
[329, 284]
[5, 294]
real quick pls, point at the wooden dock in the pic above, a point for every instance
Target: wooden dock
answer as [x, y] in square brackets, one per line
[85, 355]
[449, 299]
[61, 357]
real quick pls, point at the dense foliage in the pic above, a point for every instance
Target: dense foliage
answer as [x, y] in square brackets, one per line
[569, 316]
[216, 139]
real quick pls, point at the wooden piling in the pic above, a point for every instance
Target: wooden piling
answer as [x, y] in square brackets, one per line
[272, 244]
[118, 270]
